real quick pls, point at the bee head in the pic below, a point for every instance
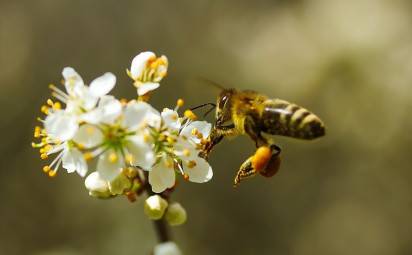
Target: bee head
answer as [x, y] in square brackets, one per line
[223, 109]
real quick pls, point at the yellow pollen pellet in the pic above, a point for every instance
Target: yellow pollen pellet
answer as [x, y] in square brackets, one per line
[46, 169]
[52, 173]
[186, 152]
[88, 156]
[113, 157]
[180, 102]
[191, 164]
[129, 158]
[43, 156]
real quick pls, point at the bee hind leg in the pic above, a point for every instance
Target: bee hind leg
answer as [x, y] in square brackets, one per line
[246, 170]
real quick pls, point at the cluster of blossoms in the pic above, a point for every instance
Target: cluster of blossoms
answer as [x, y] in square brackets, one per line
[131, 146]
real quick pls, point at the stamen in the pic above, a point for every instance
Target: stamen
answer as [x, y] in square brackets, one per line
[88, 156]
[44, 156]
[186, 152]
[44, 109]
[190, 115]
[46, 169]
[113, 157]
[180, 102]
[52, 173]
[191, 164]
[129, 158]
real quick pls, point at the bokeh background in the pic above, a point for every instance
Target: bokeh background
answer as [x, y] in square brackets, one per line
[348, 61]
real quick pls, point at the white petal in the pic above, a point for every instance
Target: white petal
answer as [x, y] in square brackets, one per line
[72, 80]
[139, 63]
[73, 160]
[142, 152]
[161, 177]
[202, 172]
[102, 85]
[167, 248]
[185, 149]
[60, 125]
[88, 136]
[146, 87]
[171, 119]
[111, 109]
[94, 182]
[85, 98]
[203, 127]
[107, 168]
[138, 114]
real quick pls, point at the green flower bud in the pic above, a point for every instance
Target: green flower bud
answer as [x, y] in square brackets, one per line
[176, 215]
[155, 206]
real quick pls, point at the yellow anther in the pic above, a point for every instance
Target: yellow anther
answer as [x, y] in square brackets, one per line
[37, 132]
[199, 135]
[190, 115]
[180, 102]
[88, 156]
[186, 177]
[57, 106]
[90, 130]
[123, 101]
[46, 169]
[52, 173]
[204, 141]
[81, 146]
[146, 138]
[171, 140]
[130, 172]
[44, 109]
[169, 163]
[162, 137]
[47, 148]
[186, 152]
[129, 158]
[195, 131]
[113, 157]
[43, 156]
[49, 102]
[191, 164]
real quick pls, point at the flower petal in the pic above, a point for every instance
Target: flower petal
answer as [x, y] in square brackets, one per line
[73, 160]
[201, 172]
[110, 109]
[73, 80]
[161, 177]
[203, 128]
[88, 136]
[167, 248]
[139, 63]
[138, 114]
[142, 154]
[110, 165]
[147, 87]
[102, 85]
[60, 125]
[171, 119]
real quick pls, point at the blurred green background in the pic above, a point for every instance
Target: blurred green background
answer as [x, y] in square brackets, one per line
[348, 61]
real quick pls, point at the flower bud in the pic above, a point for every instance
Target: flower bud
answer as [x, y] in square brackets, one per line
[97, 186]
[119, 185]
[167, 248]
[155, 207]
[176, 214]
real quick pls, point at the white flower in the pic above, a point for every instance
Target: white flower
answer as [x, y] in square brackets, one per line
[147, 71]
[167, 248]
[155, 206]
[179, 151]
[61, 125]
[120, 139]
[176, 215]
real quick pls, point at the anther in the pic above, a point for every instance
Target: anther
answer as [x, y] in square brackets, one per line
[113, 157]
[190, 115]
[191, 164]
[44, 156]
[52, 173]
[186, 152]
[186, 177]
[46, 169]
[195, 131]
[49, 102]
[88, 156]
[180, 102]
[129, 158]
[170, 140]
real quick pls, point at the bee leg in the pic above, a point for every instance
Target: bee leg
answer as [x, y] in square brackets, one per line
[246, 170]
[254, 133]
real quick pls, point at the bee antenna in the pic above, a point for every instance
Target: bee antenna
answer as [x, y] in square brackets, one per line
[213, 106]
[210, 83]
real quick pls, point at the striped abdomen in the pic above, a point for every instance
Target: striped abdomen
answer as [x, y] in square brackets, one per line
[280, 117]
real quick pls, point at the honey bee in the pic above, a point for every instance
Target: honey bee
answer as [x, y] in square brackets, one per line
[253, 114]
